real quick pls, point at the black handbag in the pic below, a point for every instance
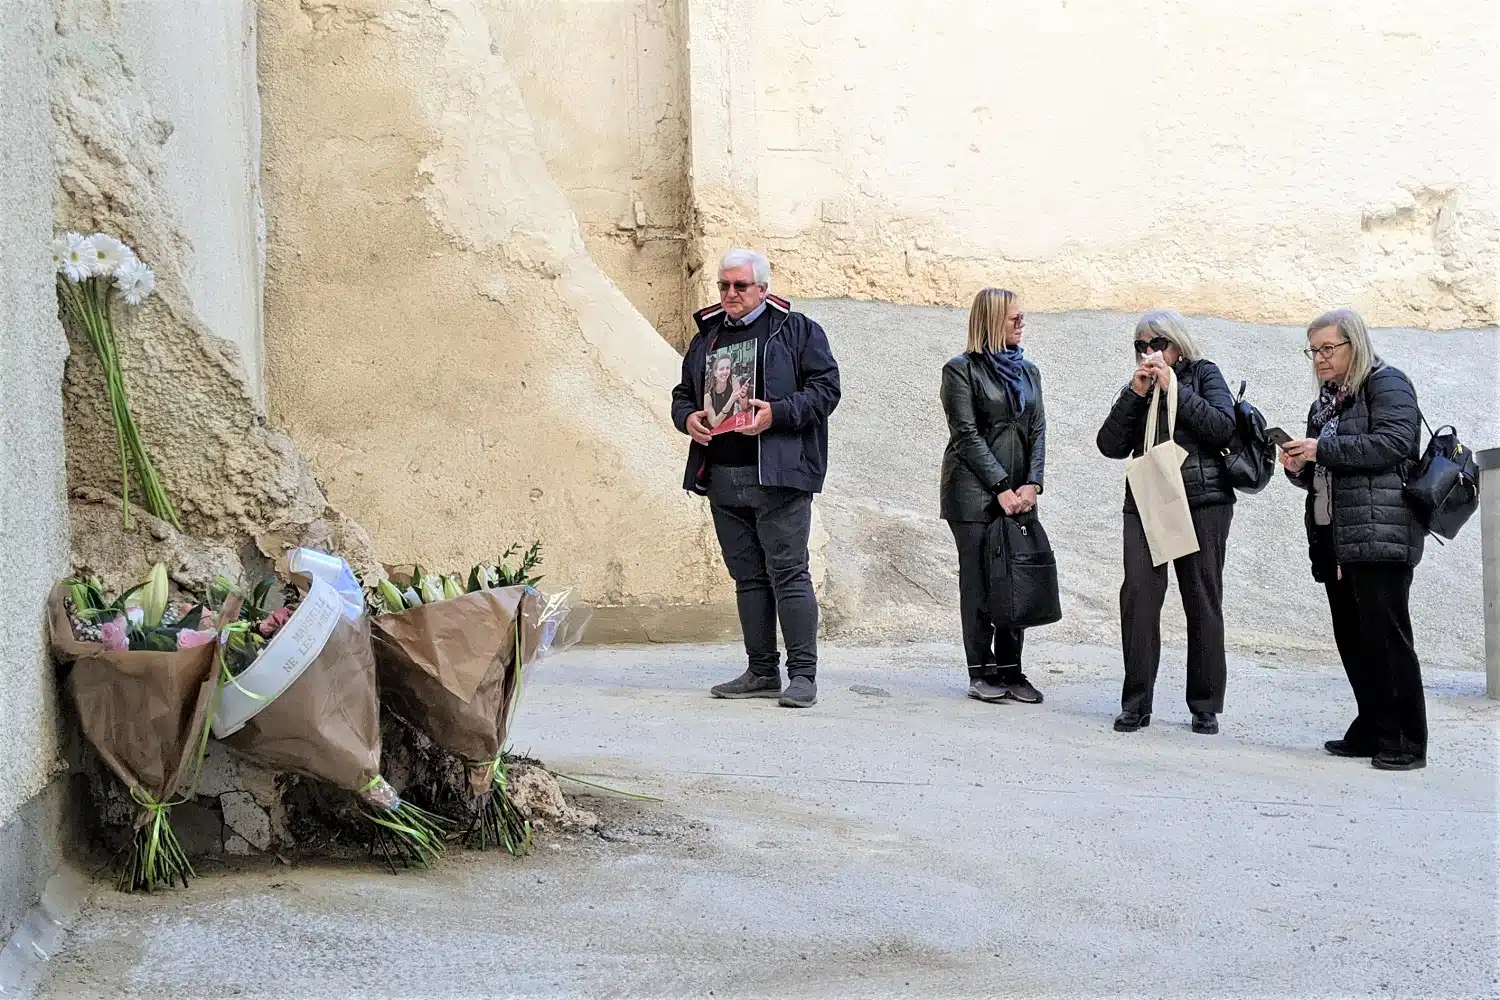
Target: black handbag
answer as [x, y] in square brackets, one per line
[1443, 489]
[1250, 459]
[1022, 581]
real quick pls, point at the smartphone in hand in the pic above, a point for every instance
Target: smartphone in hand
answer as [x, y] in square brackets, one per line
[1278, 437]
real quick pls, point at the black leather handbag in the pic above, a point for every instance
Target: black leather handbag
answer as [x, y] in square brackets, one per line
[1250, 459]
[1443, 489]
[1023, 590]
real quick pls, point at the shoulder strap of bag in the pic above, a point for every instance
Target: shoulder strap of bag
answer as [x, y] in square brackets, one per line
[1149, 438]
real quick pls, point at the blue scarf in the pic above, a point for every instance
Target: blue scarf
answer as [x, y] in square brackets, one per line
[1009, 370]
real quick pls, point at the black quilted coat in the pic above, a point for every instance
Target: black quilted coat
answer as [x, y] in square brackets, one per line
[1205, 426]
[1376, 445]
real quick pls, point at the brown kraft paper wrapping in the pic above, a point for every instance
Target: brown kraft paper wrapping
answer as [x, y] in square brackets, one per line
[143, 712]
[326, 725]
[448, 667]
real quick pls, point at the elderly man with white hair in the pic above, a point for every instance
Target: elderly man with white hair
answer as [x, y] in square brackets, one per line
[758, 384]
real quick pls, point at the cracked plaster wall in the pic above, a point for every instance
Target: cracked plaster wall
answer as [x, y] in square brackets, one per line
[155, 136]
[1259, 161]
[440, 342]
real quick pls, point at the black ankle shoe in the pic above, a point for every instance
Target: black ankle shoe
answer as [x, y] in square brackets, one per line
[800, 692]
[1129, 722]
[748, 685]
[1343, 748]
[1398, 760]
[1206, 723]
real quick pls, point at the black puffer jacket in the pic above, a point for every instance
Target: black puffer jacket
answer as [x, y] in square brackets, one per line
[1377, 443]
[990, 449]
[1205, 426]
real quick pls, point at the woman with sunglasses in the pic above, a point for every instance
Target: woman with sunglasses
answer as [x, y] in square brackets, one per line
[997, 446]
[1363, 435]
[1205, 425]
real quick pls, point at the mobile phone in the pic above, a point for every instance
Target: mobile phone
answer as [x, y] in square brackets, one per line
[1278, 437]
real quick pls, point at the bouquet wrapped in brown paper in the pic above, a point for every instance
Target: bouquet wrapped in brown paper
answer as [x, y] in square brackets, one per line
[306, 701]
[139, 671]
[452, 663]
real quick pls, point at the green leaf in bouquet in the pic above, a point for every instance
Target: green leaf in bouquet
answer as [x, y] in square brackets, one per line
[79, 593]
[193, 619]
[473, 580]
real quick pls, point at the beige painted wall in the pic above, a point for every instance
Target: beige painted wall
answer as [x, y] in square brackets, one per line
[440, 343]
[1259, 160]
[606, 85]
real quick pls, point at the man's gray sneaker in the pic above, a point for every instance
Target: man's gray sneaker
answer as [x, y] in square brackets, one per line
[748, 685]
[800, 692]
[986, 689]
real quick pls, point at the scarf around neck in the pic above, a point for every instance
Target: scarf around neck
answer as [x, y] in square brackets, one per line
[1009, 368]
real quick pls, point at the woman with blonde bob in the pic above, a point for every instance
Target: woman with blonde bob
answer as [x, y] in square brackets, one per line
[1363, 437]
[1205, 425]
[997, 446]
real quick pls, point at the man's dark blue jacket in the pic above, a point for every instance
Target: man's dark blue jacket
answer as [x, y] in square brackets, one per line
[801, 382]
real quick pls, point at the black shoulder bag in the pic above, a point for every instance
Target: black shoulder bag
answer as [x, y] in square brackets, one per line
[1023, 588]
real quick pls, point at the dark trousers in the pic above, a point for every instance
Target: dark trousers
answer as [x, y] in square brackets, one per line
[986, 647]
[1372, 626]
[1200, 577]
[763, 534]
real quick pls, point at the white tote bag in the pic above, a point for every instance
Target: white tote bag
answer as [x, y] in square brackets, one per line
[1156, 483]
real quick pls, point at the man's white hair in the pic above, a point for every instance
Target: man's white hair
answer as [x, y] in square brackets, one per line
[760, 268]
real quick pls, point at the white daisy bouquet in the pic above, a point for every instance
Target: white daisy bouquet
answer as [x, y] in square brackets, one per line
[89, 268]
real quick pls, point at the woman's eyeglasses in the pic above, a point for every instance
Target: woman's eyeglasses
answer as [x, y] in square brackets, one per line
[740, 286]
[1157, 344]
[1325, 352]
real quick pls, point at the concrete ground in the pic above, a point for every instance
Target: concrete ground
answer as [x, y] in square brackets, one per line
[898, 840]
[892, 570]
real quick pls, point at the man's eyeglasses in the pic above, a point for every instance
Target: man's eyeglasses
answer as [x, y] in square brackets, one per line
[740, 286]
[1325, 352]
[1157, 344]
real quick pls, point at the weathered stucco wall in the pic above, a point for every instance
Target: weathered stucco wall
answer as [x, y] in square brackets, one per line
[33, 502]
[1259, 160]
[199, 80]
[154, 117]
[606, 87]
[440, 343]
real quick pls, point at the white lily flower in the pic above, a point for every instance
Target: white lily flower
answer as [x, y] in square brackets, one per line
[134, 280]
[78, 261]
[137, 616]
[109, 254]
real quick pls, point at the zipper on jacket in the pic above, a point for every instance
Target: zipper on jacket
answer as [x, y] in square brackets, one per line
[759, 475]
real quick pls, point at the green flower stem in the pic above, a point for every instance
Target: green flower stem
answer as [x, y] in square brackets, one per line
[87, 302]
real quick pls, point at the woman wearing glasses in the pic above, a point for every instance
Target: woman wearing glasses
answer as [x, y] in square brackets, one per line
[1364, 540]
[997, 446]
[1205, 424]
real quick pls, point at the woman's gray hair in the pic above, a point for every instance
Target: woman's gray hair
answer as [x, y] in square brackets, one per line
[1351, 327]
[760, 268]
[1170, 324]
